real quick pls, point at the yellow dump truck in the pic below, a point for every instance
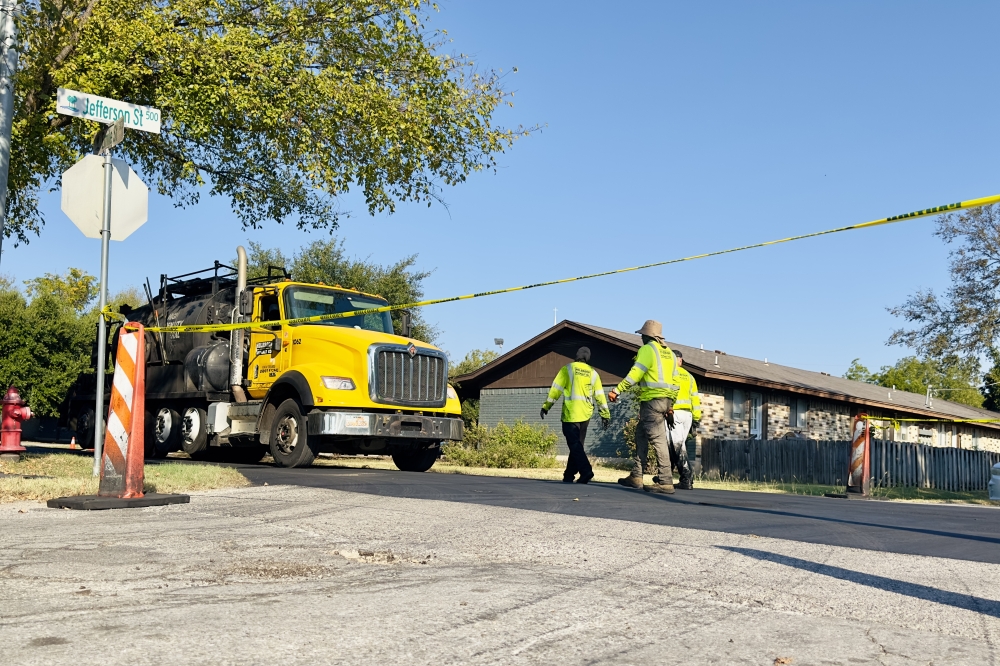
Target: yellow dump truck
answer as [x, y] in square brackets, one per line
[349, 385]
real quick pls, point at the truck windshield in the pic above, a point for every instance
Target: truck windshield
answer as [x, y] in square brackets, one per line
[303, 302]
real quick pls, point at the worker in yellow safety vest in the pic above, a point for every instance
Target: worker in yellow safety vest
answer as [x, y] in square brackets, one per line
[687, 415]
[653, 371]
[579, 385]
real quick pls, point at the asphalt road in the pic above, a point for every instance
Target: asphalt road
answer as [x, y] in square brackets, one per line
[936, 530]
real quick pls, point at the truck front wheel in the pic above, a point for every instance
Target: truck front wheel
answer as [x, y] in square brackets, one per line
[289, 441]
[415, 461]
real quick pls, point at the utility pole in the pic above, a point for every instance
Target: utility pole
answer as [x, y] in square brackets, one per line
[8, 66]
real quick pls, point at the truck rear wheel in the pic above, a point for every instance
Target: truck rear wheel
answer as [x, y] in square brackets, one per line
[162, 432]
[415, 461]
[194, 432]
[289, 442]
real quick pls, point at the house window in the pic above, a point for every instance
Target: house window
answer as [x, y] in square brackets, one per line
[902, 431]
[736, 407]
[975, 438]
[798, 413]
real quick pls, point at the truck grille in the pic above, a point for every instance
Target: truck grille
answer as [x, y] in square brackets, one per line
[420, 380]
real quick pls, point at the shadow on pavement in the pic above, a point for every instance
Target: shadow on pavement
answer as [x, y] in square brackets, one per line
[963, 601]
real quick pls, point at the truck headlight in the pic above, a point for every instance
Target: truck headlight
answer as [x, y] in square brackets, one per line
[338, 383]
[451, 394]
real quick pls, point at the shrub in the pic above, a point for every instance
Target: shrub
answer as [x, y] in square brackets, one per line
[519, 445]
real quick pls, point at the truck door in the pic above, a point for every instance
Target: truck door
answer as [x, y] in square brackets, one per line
[265, 346]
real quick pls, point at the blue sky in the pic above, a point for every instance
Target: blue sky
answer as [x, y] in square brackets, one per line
[671, 129]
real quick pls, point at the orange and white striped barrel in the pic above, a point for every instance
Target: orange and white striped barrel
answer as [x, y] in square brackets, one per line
[122, 466]
[857, 474]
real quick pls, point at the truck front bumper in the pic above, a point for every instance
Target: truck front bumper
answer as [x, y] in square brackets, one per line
[385, 425]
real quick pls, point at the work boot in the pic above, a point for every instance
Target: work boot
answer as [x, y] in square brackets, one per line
[585, 478]
[567, 479]
[660, 489]
[686, 482]
[631, 481]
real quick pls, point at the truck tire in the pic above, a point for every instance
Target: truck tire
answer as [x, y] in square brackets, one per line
[85, 429]
[415, 461]
[194, 432]
[163, 430]
[289, 441]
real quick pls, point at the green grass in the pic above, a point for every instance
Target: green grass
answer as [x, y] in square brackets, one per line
[72, 475]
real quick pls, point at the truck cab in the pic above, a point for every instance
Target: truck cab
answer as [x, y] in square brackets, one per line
[350, 385]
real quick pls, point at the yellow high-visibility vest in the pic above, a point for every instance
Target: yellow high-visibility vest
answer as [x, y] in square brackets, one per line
[653, 371]
[687, 395]
[579, 385]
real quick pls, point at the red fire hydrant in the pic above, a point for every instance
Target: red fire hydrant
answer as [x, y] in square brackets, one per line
[15, 410]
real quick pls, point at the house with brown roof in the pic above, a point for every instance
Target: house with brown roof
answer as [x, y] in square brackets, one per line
[742, 398]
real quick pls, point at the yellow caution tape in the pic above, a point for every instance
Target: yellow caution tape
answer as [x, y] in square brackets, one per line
[892, 420]
[209, 328]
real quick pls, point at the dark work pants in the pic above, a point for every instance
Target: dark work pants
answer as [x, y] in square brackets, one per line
[578, 462]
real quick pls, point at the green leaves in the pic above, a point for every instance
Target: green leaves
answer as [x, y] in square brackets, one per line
[282, 106]
[46, 342]
[326, 261]
[952, 377]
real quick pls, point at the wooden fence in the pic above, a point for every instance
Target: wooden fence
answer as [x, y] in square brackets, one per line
[825, 462]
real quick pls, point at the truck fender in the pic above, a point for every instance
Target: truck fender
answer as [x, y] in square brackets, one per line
[289, 385]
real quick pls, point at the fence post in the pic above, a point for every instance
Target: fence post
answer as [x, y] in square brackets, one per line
[857, 477]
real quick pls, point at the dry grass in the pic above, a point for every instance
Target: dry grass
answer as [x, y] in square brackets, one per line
[71, 475]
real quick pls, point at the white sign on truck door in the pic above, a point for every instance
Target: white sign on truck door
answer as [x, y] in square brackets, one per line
[104, 110]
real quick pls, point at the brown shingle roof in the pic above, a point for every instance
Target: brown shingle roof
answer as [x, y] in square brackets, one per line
[775, 376]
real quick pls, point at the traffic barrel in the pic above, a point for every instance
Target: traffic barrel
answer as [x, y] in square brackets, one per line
[122, 461]
[857, 473]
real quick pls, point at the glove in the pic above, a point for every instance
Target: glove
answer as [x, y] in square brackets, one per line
[694, 426]
[544, 412]
[670, 419]
[605, 423]
[613, 396]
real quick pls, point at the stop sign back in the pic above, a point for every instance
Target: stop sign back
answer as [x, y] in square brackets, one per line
[83, 197]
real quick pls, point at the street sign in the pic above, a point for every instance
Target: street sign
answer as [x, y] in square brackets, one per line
[110, 136]
[83, 198]
[104, 110]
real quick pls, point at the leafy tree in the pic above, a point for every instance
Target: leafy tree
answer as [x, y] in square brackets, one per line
[44, 346]
[991, 384]
[326, 261]
[966, 319]
[858, 372]
[957, 375]
[75, 288]
[46, 338]
[474, 360]
[281, 106]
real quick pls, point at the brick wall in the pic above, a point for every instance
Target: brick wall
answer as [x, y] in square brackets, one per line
[826, 420]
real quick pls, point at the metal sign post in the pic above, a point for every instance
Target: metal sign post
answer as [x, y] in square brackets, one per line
[107, 142]
[77, 188]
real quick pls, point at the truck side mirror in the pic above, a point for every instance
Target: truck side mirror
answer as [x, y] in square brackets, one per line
[407, 323]
[246, 302]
